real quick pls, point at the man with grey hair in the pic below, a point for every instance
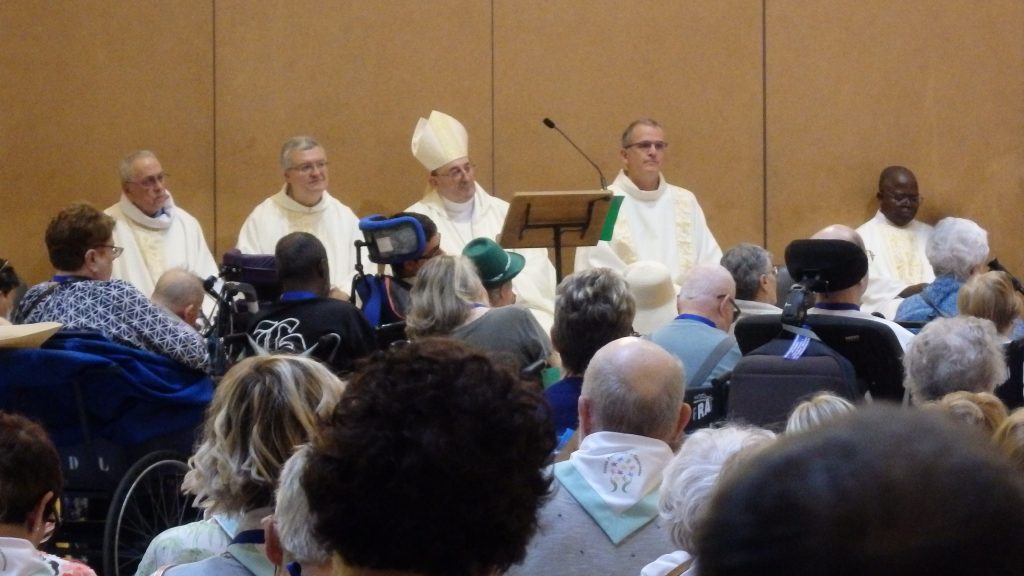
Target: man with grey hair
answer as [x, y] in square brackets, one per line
[699, 335]
[304, 205]
[657, 221]
[756, 279]
[952, 354]
[181, 293]
[957, 250]
[156, 234]
[602, 517]
[846, 300]
[288, 533]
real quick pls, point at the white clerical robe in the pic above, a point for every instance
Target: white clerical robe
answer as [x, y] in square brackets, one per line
[153, 245]
[534, 286]
[896, 259]
[666, 225]
[333, 223]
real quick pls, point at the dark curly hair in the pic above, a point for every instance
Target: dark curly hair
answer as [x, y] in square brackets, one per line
[73, 231]
[29, 468]
[431, 463]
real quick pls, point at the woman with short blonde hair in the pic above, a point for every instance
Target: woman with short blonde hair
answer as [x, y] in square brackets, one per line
[263, 408]
[991, 296]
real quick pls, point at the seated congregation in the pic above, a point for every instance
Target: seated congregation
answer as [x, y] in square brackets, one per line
[448, 416]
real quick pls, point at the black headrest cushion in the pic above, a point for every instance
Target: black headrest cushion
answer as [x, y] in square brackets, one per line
[826, 265]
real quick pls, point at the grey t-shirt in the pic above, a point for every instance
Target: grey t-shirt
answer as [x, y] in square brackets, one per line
[509, 330]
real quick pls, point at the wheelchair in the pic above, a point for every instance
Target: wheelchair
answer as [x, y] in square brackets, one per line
[123, 421]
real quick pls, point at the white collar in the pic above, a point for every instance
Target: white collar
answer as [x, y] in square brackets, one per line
[161, 221]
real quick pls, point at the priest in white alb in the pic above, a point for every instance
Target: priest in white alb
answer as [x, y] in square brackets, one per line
[657, 221]
[463, 210]
[895, 241]
[156, 234]
[304, 205]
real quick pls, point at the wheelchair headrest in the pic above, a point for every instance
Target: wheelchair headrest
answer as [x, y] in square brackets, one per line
[393, 240]
[826, 265]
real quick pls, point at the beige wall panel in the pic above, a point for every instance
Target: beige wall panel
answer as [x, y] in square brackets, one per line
[356, 75]
[933, 85]
[84, 83]
[595, 66]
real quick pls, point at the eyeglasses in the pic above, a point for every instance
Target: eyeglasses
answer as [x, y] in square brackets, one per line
[456, 172]
[116, 251]
[309, 167]
[735, 307]
[773, 271]
[658, 145]
[154, 181]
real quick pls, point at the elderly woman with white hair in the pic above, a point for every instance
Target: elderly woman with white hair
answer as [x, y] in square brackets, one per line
[688, 482]
[291, 543]
[951, 354]
[957, 250]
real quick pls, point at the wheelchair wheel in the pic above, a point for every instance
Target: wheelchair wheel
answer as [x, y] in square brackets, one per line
[148, 500]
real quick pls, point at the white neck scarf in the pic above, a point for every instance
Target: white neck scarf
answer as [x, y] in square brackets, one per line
[621, 468]
[161, 221]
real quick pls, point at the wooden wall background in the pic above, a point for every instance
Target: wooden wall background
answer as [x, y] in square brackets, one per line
[780, 113]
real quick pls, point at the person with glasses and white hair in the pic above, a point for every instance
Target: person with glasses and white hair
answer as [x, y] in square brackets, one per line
[463, 210]
[699, 334]
[156, 234]
[82, 295]
[657, 221]
[898, 266]
[30, 485]
[304, 205]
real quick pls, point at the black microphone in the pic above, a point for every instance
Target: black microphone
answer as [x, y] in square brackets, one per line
[551, 124]
[996, 266]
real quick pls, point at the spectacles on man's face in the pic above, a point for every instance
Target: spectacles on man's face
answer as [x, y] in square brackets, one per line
[154, 181]
[456, 172]
[310, 167]
[735, 307]
[658, 145]
[115, 251]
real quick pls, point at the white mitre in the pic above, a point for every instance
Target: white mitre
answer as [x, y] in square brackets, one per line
[438, 140]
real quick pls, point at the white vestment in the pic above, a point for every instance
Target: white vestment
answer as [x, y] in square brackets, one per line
[896, 260]
[534, 286]
[333, 223]
[666, 225]
[152, 245]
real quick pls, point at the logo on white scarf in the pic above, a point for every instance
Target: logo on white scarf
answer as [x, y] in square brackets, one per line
[622, 469]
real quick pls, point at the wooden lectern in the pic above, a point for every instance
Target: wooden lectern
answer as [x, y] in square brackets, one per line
[555, 220]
